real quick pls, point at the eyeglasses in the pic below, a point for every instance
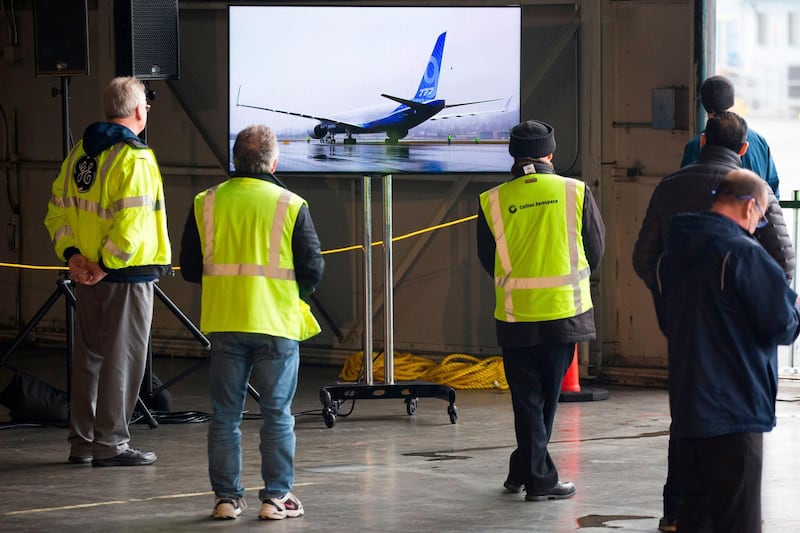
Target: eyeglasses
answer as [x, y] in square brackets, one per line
[762, 219]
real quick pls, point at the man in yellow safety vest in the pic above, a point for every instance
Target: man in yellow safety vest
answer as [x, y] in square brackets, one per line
[539, 236]
[252, 245]
[108, 221]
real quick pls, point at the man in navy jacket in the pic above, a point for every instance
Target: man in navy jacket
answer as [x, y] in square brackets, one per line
[724, 305]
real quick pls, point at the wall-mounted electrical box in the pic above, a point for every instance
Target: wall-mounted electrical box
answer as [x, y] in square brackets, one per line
[671, 108]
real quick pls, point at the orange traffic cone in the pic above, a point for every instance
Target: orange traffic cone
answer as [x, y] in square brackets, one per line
[570, 382]
[571, 390]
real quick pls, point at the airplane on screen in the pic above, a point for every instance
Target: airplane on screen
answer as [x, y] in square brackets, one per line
[396, 124]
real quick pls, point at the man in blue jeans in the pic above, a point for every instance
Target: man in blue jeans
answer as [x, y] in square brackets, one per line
[252, 245]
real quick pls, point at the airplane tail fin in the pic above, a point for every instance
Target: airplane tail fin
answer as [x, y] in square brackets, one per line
[430, 79]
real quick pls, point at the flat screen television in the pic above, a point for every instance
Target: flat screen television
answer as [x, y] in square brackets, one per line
[377, 90]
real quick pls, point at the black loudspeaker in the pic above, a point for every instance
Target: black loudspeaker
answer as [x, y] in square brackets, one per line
[146, 39]
[61, 37]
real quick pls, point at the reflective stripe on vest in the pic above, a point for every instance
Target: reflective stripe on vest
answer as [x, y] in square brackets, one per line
[271, 270]
[108, 217]
[576, 278]
[63, 200]
[246, 228]
[91, 206]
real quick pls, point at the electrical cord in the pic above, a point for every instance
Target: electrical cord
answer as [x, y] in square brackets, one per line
[177, 417]
[361, 378]
[25, 425]
[459, 371]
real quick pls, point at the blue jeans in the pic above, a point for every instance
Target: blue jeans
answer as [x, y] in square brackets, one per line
[270, 364]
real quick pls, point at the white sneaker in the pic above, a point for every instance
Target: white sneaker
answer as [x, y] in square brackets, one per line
[279, 508]
[228, 508]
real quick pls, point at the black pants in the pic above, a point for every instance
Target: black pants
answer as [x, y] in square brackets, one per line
[721, 482]
[673, 495]
[534, 376]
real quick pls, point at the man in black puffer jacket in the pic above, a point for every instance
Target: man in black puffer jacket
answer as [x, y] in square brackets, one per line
[690, 189]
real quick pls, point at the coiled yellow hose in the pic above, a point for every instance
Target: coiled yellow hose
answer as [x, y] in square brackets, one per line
[459, 371]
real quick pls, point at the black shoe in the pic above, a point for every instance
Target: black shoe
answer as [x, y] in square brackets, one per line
[79, 460]
[667, 524]
[560, 492]
[513, 486]
[130, 457]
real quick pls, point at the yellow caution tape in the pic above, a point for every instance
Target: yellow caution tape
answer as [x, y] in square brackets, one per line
[324, 252]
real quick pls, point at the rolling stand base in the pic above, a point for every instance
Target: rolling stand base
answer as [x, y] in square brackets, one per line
[332, 395]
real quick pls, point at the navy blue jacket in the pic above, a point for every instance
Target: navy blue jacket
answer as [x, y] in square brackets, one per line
[724, 306]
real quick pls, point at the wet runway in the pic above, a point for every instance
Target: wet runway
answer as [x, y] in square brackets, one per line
[406, 157]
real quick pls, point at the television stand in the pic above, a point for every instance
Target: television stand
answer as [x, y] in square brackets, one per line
[332, 395]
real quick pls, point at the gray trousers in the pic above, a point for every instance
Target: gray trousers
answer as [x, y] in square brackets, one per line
[112, 329]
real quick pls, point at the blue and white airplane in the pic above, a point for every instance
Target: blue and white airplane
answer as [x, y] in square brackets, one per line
[408, 114]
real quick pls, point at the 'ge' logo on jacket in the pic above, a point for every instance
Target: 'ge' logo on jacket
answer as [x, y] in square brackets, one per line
[85, 172]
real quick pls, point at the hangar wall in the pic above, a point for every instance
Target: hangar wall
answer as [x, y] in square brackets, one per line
[589, 68]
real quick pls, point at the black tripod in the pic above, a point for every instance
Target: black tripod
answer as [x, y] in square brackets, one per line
[64, 287]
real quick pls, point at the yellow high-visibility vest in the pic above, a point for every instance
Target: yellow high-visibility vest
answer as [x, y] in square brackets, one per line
[249, 285]
[540, 272]
[110, 207]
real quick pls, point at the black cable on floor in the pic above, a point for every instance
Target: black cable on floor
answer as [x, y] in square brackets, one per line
[25, 425]
[177, 417]
[360, 379]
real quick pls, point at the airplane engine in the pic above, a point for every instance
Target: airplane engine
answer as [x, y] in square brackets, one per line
[319, 131]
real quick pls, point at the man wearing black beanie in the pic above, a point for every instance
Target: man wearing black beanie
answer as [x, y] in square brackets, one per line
[539, 236]
[716, 96]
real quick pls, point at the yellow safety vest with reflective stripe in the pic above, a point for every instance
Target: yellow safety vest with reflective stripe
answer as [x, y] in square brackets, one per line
[110, 207]
[249, 285]
[541, 271]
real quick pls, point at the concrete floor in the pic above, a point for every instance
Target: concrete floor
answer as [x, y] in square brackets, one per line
[378, 469]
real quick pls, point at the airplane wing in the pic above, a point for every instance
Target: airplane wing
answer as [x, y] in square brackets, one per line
[321, 119]
[303, 115]
[413, 104]
[473, 113]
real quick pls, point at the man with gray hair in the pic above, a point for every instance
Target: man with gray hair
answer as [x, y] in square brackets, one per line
[252, 245]
[107, 220]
